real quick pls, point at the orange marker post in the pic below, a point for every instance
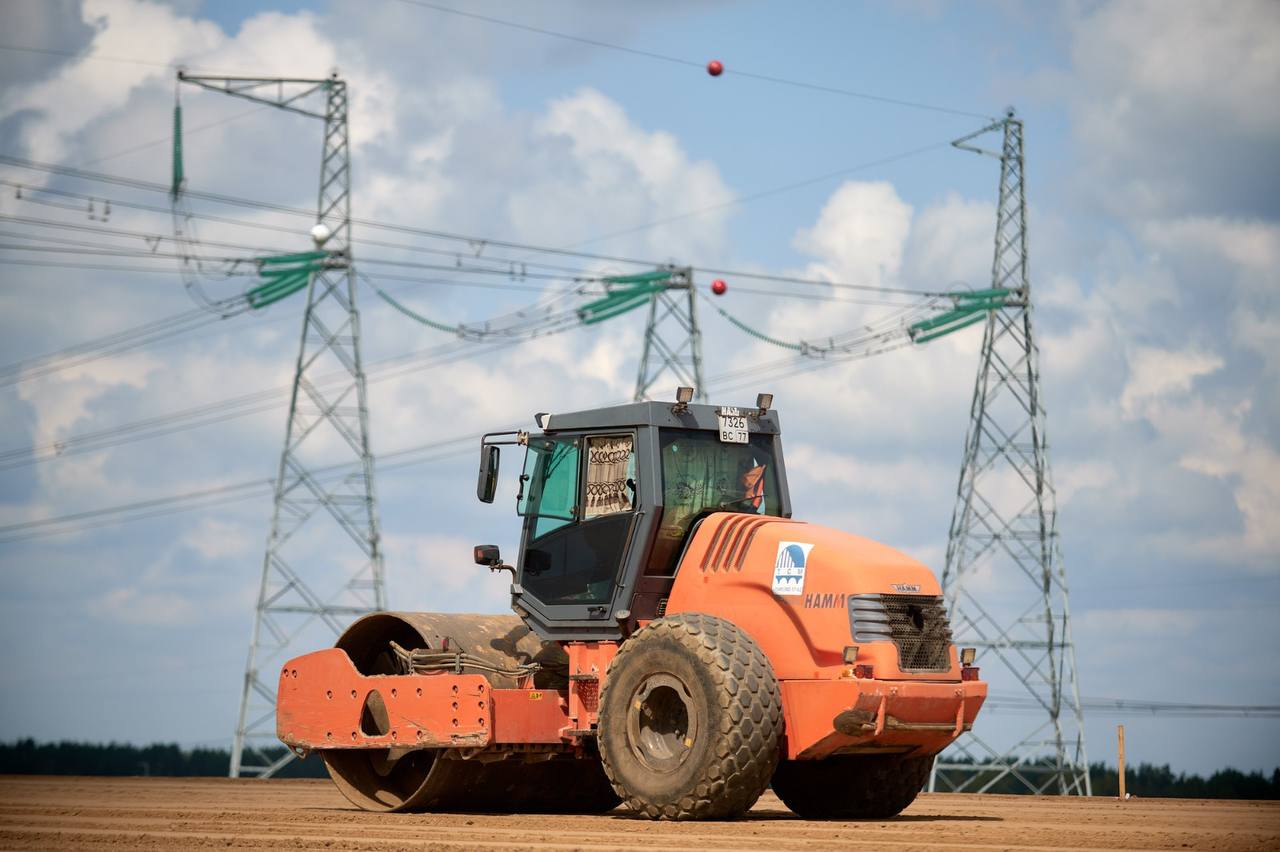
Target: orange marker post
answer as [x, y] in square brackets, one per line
[1120, 733]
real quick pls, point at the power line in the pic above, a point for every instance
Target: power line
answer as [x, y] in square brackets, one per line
[24, 530]
[97, 57]
[250, 261]
[155, 238]
[476, 241]
[186, 131]
[213, 495]
[571, 273]
[268, 399]
[231, 408]
[111, 344]
[525, 323]
[1126, 706]
[765, 193]
[199, 499]
[49, 51]
[676, 60]
[97, 267]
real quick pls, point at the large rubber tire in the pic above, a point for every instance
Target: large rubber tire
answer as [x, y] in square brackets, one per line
[851, 786]
[690, 719]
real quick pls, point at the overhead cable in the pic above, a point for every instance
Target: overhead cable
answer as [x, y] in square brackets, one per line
[663, 57]
[470, 240]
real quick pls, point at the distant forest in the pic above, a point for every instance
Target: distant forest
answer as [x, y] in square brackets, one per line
[27, 757]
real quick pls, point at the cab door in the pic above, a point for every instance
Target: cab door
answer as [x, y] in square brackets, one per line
[579, 503]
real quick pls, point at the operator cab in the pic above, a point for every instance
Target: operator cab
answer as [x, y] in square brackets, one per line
[611, 496]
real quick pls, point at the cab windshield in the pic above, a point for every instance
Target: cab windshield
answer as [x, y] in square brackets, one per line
[702, 474]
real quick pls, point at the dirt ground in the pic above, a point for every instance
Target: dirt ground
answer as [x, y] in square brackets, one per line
[172, 813]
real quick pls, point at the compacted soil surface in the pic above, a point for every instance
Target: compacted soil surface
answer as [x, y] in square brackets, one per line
[46, 812]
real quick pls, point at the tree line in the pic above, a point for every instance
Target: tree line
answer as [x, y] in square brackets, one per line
[1144, 779]
[27, 757]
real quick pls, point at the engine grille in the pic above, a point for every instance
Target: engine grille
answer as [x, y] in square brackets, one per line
[916, 624]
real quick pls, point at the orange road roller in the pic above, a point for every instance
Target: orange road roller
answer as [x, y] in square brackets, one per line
[679, 644]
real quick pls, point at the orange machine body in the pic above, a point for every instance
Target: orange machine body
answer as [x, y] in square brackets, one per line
[789, 585]
[743, 568]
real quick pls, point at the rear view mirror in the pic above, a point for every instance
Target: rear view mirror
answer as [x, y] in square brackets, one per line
[487, 483]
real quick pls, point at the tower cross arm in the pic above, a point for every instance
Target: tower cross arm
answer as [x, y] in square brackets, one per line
[281, 92]
[963, 142]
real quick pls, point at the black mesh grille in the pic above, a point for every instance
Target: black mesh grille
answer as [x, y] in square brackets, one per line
[916, 624]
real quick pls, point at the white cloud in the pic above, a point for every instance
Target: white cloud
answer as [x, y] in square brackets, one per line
[1251, 245]
[859, 236]
[143, 609]
[951, 244]
[1259, 332]
[85, 90]
[436, 572]
[1074, 477]
[615, 176]
[886, 479]
[1216, 445]
[1151, 323]
[1155, 373]
[1167, 100]
[1136, 623]
[215, 538]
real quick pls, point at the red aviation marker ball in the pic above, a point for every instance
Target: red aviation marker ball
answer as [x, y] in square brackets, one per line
[715, 68]
[718, 286]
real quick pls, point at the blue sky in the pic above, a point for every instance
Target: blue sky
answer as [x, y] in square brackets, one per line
[1155, 244]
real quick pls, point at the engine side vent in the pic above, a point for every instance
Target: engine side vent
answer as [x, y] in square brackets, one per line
[916, 624]
[661, 609]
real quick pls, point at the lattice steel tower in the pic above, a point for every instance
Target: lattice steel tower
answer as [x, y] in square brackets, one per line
[325, 479]
[1004, 534]
[672, 338]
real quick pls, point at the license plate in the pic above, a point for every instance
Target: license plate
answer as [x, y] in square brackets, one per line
[733, 426]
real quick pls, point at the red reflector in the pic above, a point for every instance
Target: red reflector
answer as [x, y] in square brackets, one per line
[864, 670]
[969, 673]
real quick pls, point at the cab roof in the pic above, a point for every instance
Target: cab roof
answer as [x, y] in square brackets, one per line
[661, 414]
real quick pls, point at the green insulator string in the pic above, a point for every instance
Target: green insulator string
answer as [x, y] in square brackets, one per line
[967, 308]
[624, 293]
[284, 275]
[970, 307]
[759, 335]
[414, 315]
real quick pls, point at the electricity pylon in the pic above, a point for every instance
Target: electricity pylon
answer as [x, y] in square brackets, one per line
[326, 466]
[1004, 532]
[672, 338]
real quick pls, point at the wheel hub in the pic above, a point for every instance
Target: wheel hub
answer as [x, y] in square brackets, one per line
[662, 722]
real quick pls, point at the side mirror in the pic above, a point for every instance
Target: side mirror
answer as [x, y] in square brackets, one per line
[487, 554]
[487, 483]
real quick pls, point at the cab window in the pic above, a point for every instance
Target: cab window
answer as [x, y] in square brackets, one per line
[611, 472]
[550, 494]
[701, 474]
[574, 551]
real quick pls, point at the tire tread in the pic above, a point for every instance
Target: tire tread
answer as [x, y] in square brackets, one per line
[746, 745]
